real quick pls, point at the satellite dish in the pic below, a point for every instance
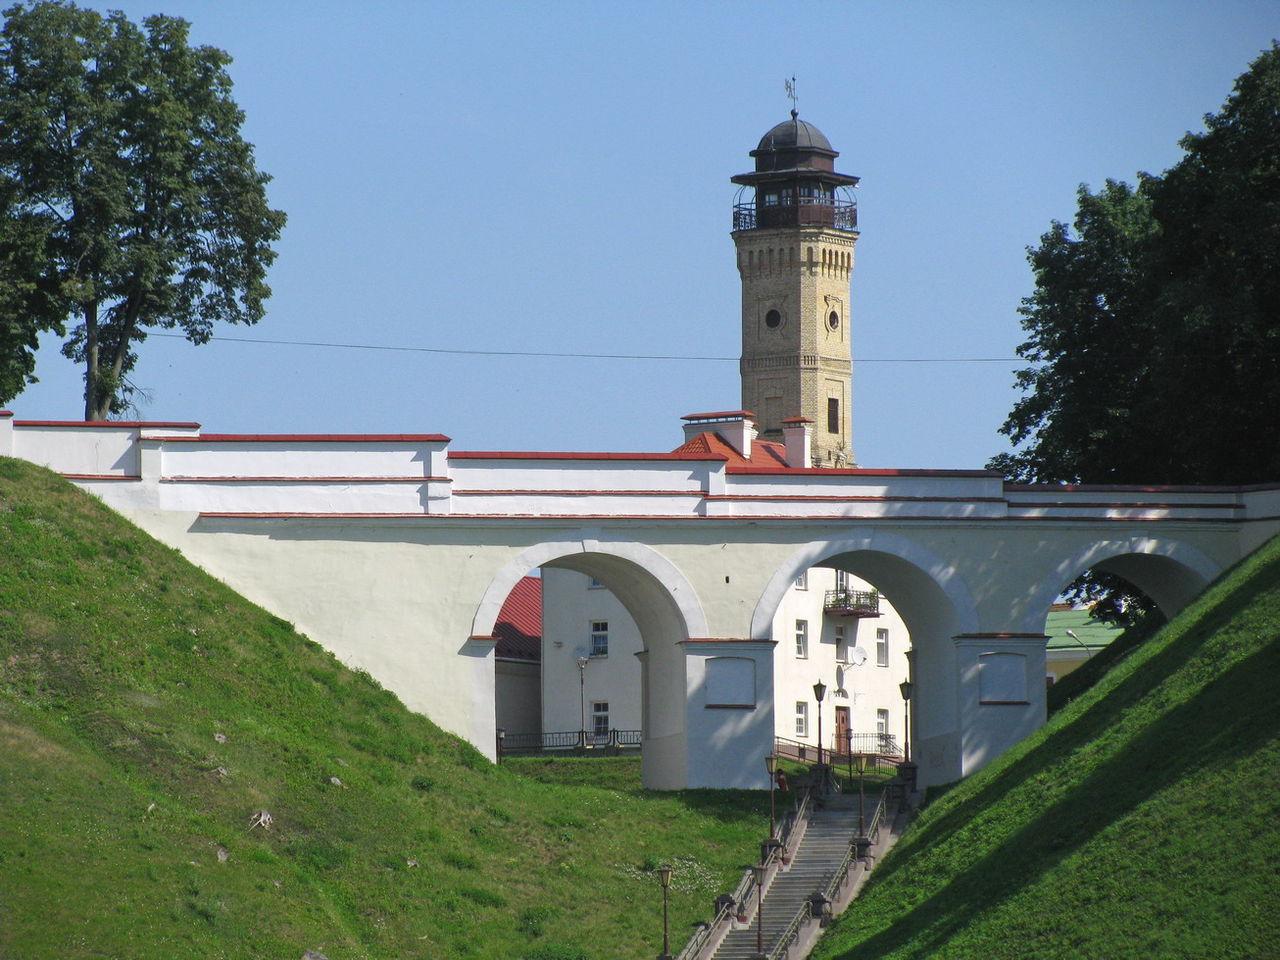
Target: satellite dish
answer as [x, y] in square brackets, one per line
[858, 656]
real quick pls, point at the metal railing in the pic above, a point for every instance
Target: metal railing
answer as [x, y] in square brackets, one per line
[797, 211]
[866, 602]
[783, 943]
[875, 746]
[736, 903]
[513, 743]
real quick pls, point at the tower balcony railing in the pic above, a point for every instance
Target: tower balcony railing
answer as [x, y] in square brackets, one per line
[797, 212]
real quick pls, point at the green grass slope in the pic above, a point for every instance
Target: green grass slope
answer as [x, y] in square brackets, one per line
[148, 716]
[1141, 822]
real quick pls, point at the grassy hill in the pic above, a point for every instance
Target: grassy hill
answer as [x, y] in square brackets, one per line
[1143, 821]
[150, 718]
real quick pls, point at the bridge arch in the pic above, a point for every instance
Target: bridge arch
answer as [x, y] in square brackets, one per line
[1171, 572]
[934, 602]
[666, 611]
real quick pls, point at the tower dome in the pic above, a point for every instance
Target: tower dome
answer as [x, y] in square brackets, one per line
[795, 133]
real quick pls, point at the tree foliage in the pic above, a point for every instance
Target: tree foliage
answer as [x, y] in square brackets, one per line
[128, 198]
[1154, 328]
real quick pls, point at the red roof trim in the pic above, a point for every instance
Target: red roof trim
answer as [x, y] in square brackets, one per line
[685, 517]
[721, 415]
[797, 420]
[313, 438]
[117, 424]
[1130, 487]
[727, 640]
[860, 472]
[183, 479]
[1135, 505]
[1001, 636]
[6, 414]
[580, 493]
[801, 498]
[537, 455]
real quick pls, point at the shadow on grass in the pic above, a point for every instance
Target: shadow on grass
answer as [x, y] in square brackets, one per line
[1101, 715]
[1231, 716]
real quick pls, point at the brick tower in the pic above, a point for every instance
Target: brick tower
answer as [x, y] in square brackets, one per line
[795, 240]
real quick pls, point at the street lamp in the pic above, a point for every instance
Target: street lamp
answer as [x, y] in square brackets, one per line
[757, 872]
[582, 700]
[664, 874]
[819, 691]
[905, 686]
[771, 764]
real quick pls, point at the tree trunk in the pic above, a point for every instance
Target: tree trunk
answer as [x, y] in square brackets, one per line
[92, 402]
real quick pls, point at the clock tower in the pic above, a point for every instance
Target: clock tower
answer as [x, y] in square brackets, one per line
[795, 233]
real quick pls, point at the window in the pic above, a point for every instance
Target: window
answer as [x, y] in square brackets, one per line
[833, 414]
[802, 718]
[802, 639]
[882, 647]
[842, 580]
[599, 638]
[882, 729]
[842, 647]
[772, 319]
[600, 718]
[802, 581]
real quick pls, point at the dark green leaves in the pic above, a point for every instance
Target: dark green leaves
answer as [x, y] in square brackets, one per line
[120, 148]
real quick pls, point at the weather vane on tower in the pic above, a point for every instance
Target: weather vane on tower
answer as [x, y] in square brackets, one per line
[790, 87]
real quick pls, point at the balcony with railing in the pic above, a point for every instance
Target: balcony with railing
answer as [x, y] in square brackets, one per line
[851, 603]
[798, 212]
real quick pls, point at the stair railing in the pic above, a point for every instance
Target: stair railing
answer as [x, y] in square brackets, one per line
[782, 945]
[738, 902]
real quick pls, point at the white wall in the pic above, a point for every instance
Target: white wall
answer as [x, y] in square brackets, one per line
[569, 606]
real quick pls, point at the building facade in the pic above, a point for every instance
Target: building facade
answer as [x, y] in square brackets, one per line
[831, 628]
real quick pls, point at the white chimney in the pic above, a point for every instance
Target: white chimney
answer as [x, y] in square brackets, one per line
[797, 437]
[735, 427]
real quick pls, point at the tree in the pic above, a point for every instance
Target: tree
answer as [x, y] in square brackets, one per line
[128, 199]
[1154, 328]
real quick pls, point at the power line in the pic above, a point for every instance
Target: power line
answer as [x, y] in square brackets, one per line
[571, 356]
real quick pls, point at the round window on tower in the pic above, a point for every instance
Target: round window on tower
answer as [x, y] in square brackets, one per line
[772, 319]
[833, 320]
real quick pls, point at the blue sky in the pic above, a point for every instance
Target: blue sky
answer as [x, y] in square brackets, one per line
[554, 178]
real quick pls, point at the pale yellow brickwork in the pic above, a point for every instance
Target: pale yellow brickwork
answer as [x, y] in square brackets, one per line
[794, 367]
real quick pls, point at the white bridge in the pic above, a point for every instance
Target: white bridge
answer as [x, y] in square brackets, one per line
[396, 553]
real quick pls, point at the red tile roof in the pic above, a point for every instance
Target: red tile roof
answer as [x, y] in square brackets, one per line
[519, 627]
[763, 454]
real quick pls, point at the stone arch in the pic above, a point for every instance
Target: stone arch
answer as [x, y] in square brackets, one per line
[666, 611]
[935, 604]
[901, 554]
[624, 558]
[1170, 572]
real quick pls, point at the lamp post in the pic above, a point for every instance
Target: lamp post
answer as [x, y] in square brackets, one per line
[906, 686]
[582, 700]
[771, 764]
[757, 872]
[819, 691]
[664, 874]
[907, 769]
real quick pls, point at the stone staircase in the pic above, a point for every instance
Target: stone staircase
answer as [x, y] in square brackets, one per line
[814, 862]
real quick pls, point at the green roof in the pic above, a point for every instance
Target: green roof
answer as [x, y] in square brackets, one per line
[1092, 633]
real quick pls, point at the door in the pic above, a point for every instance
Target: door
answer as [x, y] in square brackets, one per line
[844, 732]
